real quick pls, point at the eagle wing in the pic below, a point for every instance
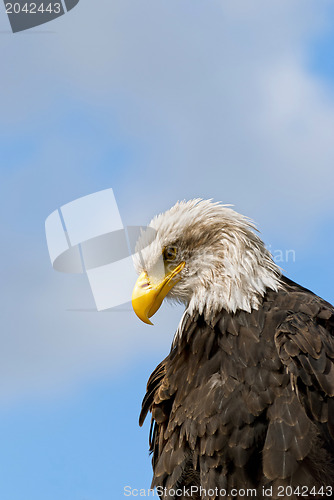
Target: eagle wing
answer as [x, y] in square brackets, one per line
[153, 402]
[246, 363]
[305, 345]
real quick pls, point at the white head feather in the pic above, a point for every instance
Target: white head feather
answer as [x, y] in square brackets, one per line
[226, 263]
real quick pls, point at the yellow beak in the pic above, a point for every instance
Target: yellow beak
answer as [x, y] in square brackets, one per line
[147, 298]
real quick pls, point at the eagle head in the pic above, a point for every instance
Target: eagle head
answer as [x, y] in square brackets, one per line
[205, 255]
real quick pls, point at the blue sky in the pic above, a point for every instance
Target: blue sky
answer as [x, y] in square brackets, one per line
[160, 101]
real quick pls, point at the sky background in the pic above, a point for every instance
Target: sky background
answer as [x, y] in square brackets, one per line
[160, 100]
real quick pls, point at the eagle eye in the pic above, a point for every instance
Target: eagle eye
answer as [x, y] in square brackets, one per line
[170, 253]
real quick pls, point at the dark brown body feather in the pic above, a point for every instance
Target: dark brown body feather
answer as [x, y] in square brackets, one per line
[248, 402]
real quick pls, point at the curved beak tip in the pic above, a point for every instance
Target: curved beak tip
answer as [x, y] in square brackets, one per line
[145, 319]
[140, 310]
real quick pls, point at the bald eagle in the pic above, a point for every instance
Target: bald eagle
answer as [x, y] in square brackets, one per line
[244, 401]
